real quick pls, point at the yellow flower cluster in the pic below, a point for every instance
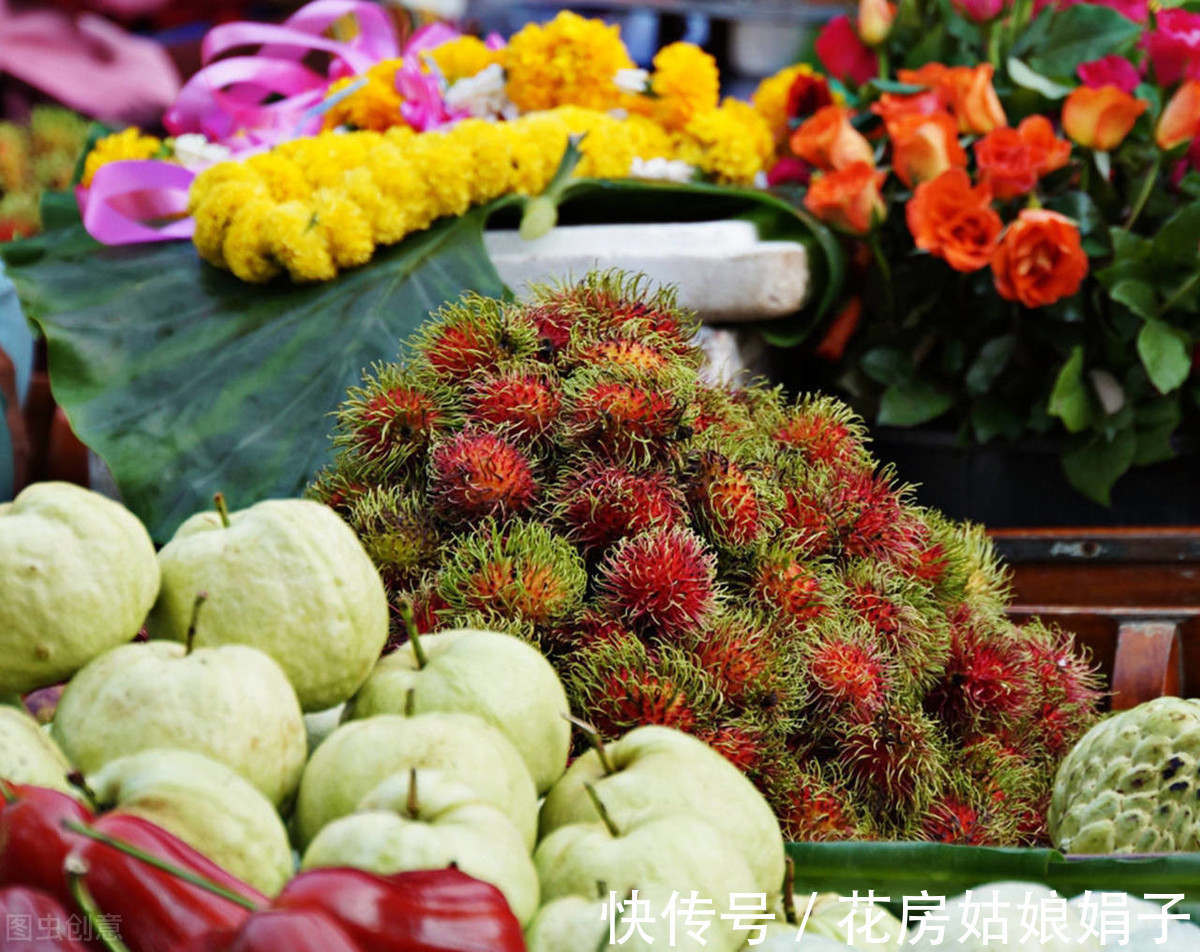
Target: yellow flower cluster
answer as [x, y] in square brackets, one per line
[464, 57]
[121, 146]
[570, 61]
[686, 82]
[314, 206]
[376, 106]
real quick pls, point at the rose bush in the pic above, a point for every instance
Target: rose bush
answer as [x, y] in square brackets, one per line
[1016, 185]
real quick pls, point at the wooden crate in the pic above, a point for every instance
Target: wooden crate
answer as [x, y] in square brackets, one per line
[1130, 595]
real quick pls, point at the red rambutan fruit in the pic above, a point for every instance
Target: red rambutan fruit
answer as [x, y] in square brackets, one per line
[588, 628]
[847, 676]
[476, 474]
[525, 405]
[391, 420]
[871, 520]
[741, 746]
[662, 581]
[553, 323]
[728, 502]
[807, 521]
[783, 583]
[604, 503]
[966, 820]
[814, 809]
[632, 356]
[825, 432]
[897, 758]
[619, 418]
[739, 658]
[1065, 685]
[983, 684]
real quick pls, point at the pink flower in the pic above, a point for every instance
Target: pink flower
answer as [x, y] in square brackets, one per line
[981, 11]
[843, 54]
[1174, 47]
[1110, 71]
[789, 171]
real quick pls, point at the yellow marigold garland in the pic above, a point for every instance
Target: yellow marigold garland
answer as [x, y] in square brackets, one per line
[686, 82]
[119, 147]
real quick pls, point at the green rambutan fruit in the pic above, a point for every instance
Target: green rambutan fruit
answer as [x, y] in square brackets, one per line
[476, 474]
[398, 531]
[622, 683]
[816, 805]
[602, 503]
[588, 627]
[662, 582]
[717, 413]
[513, 571]
[393, 418]
[475, 336]
[338, 487]
[522, 404]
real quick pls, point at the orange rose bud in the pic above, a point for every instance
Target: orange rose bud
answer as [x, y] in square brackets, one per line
[950, 219]
[1050, 153]
[1100, 118]
[892, 107]
[875, 18]
[827, 140]
[833, 344]
[923, 147]
[1180, 120]
[848, 198]
[1039, 259]
[966, 90]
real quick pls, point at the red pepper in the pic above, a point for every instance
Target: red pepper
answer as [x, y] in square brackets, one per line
[156, 910]
[284, 930]
[33, 843]
[434, 910]
[34, 921]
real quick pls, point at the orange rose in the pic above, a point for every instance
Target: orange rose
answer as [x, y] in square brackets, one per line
[1180, 120]
[923, 147]
[1039, 259]
[950, 219]
[828, 141]
[892, 107]
[1100, 118]
[848, 198]
[967, 90]
[875, 18]
[1050, 153]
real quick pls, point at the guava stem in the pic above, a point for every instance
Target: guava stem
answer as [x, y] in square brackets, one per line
[7, 792]
[592, 735]
[410, 702]
[414, 637]
[178, 872]
[413, 806]
[190, 639]
[605, 816]
[789, 883]
[222, 509]
[76, 779]
[76, 869]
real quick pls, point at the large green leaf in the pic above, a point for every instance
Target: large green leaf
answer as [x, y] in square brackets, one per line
[187, 381]
[1081, 33]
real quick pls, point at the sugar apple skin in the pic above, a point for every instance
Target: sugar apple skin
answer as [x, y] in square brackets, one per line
[232, 704]
[288, 577]
[77, 576]
[208, 806]
[1132, 783]
[28, 755]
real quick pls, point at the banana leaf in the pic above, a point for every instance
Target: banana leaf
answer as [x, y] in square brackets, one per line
[186, 381]
[896, 870]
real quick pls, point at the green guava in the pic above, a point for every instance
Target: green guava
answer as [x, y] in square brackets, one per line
[77, 577]
[286, 576]
[28, 754]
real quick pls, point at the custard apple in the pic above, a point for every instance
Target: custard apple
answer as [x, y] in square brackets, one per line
[1132, 783]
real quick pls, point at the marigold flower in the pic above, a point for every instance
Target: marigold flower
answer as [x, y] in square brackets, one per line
[375, 106]
[569, 61]
[247, 247]
[829, 141]
[1101, 118]
[732, 143]
[1039, 259]
[298, 244]
[950, 219]
[923, 147]
[849, 198]
[129, 144]
[685, 83]
[463, 57]
[1180, 120]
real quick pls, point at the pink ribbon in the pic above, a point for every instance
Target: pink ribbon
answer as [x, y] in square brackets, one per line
[126, 197]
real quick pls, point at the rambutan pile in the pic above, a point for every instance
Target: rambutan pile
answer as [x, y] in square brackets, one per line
[716, 559]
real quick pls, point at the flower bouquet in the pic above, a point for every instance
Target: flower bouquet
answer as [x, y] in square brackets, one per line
[1016, 186]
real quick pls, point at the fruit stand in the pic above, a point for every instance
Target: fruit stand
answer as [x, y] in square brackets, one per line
[406, 553]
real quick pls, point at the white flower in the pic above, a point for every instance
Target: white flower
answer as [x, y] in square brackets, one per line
[193, 151]
[632, 80]
[664, 170]
[481, 95]
[1110, 392]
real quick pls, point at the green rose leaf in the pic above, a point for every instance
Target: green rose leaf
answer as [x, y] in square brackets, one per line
[887, 365]
[912, 404]
[1165, 355]
[1070, 400]
[993, 358]
[1093, 463]
[1136, 295]
[1027, 78]
[1081, 33]
[1177, 242]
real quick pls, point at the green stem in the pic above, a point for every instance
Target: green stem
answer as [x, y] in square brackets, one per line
[7, 792]
[77, 780]
[885, 272]
[186, 875]
[76, 869]
[190, 639]
[991, 41]
[1180, 293]
[1144, 192]
[222, 509]
[605, 816]
[413, 805]
[881, 54]
[410, 702]
[414, 637]
[595, 741]
[789, 883]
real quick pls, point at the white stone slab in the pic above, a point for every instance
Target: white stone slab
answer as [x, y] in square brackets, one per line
[722, 269]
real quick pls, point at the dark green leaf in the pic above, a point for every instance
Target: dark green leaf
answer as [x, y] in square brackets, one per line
[1081, 33]
[991, 417]
[1070, 400]
[1079, 207]
[1033, 35]
[1177, 242]
[1093, 463]
[912, 404]
[1191, 184]
[1027, 78]
[1154, 444]
[1165, 355]
[887, 365]
[1136, 295]
[993, 358]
